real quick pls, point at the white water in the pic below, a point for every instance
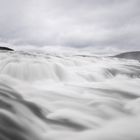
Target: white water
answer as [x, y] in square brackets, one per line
[81, 98]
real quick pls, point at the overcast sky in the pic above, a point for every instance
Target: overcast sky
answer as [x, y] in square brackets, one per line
[76, 23]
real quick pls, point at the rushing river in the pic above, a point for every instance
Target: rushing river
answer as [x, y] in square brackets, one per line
[68, 97]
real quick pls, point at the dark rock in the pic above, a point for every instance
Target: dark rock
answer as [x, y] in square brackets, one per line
[6, 49]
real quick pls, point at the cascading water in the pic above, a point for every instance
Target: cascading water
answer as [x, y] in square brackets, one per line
[62, 97]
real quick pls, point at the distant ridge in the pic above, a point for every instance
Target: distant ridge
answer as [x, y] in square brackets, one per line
[129, 55]
[6, 48]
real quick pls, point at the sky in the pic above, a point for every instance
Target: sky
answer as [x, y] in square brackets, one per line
[71, 23]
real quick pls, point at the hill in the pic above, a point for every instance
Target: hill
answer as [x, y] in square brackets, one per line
[6, 48]
[129, 55]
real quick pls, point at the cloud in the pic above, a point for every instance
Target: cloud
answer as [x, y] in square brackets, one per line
[76, 23]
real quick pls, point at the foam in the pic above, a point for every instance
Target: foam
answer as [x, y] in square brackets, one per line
[62, 97]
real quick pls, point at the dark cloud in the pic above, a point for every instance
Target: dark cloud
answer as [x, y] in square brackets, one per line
[76, 23]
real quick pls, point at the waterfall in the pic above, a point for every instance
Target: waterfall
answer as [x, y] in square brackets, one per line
[45, 96]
